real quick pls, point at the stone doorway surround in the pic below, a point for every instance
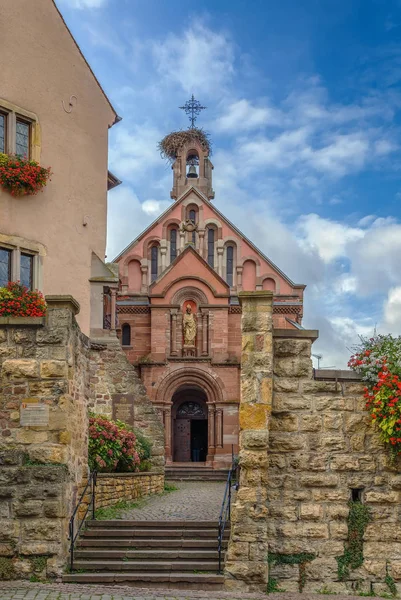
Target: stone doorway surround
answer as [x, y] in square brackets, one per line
[191, 378]
[189, 409]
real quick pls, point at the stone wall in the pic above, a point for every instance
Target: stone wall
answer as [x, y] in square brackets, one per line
[50, 365]
[116, 487]
[111, 373]
[323, 446]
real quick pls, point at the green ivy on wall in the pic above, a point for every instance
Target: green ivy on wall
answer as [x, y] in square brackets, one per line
[359, 517]
[300, 559]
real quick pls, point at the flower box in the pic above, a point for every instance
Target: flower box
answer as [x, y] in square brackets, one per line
[22, 321]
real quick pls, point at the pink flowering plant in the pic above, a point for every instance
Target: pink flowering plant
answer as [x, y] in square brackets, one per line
[378, 360]
[112, 446]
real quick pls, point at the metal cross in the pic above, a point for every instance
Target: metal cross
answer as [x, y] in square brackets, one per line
[192, 108]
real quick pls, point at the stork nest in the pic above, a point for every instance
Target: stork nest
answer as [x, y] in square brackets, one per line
[172, 143]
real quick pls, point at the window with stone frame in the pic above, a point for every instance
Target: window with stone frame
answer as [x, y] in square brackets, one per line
[210, 247]
[16, 130]
[26, 270]
[154, 262]
[230, 265]
[3, 132]
[22, 138]
[192, 217]
[173, 244]
[126, 335]
[5, 266]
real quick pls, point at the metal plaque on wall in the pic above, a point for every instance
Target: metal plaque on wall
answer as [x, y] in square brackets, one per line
[34, 413]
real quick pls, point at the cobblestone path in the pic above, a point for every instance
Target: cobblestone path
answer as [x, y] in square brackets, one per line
[16, 590]
[192, 501]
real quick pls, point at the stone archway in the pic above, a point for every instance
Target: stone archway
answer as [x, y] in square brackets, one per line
[193, 378]
[189, 425]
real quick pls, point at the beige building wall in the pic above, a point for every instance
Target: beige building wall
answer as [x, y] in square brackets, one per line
[42, 68]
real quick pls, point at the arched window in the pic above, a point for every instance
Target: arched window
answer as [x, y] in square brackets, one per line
[154, 262]
[192, 216]
[126, 335]
[230, 265]
[173, 245]
[210, 247]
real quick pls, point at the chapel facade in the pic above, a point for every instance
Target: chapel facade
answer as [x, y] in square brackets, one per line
[179, 318]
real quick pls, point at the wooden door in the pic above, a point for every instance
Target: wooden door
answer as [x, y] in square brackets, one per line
[182, 440]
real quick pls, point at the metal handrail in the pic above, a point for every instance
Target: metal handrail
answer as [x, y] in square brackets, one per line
[73, 532]
[225, 512]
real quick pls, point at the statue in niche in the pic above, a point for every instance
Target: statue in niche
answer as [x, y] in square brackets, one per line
[189, 330]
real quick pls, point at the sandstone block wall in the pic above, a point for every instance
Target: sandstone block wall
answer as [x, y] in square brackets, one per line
[50, 362]
[117, 487]
[321, 447]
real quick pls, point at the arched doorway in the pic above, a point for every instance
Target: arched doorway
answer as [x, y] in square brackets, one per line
[190, 425]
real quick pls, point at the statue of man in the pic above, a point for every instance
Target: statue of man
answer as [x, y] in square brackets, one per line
[189, 326]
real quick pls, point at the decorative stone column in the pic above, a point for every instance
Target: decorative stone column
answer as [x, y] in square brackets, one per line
[173, 313]
[182, 241]
[246, 565]
[211, 433]
[163, 254]
[201, 233]
[144, 271]
[239, 278]
[205, 333]
[220, 252]
[167, 434]
[113, 292]
[219, 428]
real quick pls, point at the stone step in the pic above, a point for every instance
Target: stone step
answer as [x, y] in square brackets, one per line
[138, 565]
[148, 543]
[119, 523]
[183, 580]
[154, 533]
[195, 475]
[163, 554]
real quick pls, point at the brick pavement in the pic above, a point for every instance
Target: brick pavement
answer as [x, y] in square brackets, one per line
[193, 501]
[21, 590]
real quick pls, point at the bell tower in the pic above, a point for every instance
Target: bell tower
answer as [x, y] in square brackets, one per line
[189, 152]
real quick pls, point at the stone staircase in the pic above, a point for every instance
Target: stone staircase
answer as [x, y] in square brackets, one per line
[164, 554]
[194, 472]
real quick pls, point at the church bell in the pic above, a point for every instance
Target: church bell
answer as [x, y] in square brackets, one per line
[192, 172]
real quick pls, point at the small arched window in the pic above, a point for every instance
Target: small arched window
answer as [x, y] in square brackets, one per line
[210, 247]
[192, 216]
[126, 335]
[230, 265]
[154, 263]
[173, 245]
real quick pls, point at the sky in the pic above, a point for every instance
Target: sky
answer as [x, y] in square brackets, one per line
[303, 107]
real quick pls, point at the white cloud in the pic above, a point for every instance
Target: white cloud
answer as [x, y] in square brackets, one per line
[84, 3]
[155, 207]
[392, 310]
[242, 116]
[133, 152]
[344, 154]
[328, 238]
[199, 60]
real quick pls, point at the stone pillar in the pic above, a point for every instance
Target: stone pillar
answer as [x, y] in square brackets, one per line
[173, 313]
[211, 433]
[219, 427]
[167, 433]
[144, 271]
[113, 309]
[239, 278]
[204, 333]
[201, 233]
[220, 253]
[182, 241]
[246, 564]
[163, 254]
